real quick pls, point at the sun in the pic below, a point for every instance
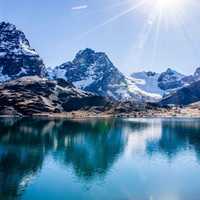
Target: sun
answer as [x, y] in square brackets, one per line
[165, 9]
[169, 6]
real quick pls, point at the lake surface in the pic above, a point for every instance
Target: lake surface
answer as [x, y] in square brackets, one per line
[114, 159]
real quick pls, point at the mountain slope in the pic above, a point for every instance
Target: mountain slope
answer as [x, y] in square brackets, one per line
[192, 78]
[32, 94]
[93, 71]
[184, 96]
[17, 58]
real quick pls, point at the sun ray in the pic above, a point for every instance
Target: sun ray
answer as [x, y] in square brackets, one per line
[108, 7]
[187, 36]
[161, 13]
[157, 31]
[112, 19]
[144, 35]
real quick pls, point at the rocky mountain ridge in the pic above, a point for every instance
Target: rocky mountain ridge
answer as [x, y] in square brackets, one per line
[94, 72]
[165, 83]
[184, 96]
[170, 80]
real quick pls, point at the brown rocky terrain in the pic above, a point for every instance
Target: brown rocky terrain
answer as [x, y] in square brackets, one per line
[33, 95]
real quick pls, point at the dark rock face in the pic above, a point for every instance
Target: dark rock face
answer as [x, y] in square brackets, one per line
[86, 103]
[150, 73]
[184, 96]
[17, 58]
[32, 94]
[170, 80]
[63, 83]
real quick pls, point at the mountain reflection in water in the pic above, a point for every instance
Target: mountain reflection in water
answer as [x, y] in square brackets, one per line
[90, 148]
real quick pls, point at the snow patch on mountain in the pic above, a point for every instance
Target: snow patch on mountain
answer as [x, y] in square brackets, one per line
[27, 50]
[133, 86]
[148, 82]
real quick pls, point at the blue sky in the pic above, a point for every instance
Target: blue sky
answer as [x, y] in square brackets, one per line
[129, 31]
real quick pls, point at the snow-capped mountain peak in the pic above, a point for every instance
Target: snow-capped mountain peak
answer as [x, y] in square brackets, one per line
[94, 72]
[170, 79]
[17, 58]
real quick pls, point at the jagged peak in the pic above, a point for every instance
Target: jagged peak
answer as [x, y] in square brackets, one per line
[86, 55]
[89, 57]
[89, 52]
[145, 74]
[9, 33]
[17, 57]
[6, 26]
[150, 73]
[170, 70]
[197, 72]
[85, 51]
[9, 29]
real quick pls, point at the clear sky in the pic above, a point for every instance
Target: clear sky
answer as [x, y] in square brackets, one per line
[137, 35]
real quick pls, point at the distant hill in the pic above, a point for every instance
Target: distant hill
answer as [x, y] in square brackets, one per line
[184, 96]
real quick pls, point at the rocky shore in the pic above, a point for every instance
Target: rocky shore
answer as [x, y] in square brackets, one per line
[192, 111]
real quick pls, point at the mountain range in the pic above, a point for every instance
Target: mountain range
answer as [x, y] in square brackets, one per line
[94, 72]
[164, 83]
[91, 74]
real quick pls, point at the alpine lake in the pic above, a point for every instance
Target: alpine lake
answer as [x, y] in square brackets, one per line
[99, 159]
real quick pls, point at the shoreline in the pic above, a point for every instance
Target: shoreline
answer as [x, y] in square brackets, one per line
[81, 115]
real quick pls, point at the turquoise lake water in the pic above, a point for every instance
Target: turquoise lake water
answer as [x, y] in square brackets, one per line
[114, 159]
